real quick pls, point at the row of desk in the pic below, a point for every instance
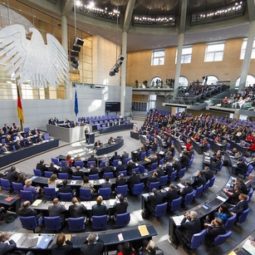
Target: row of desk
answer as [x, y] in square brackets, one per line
[108, 148]
[23, 153]
[110, 238]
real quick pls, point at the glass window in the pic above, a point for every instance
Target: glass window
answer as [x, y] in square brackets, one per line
[244, 44]
[183, 81]
[156, 82]
[211, 80]
[158, 57]
[249, 81]
[186, 55]
[214, 52]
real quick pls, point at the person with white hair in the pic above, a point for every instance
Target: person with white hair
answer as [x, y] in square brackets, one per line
[190, 225]
[92, 245]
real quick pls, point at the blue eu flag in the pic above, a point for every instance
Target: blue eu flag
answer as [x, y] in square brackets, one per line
[76, 105]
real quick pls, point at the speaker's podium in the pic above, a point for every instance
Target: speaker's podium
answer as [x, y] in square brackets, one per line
[90, 138]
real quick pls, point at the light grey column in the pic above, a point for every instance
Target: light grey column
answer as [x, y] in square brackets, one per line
[247, 56]
[64, 28]
[123, 73]
[178, 62]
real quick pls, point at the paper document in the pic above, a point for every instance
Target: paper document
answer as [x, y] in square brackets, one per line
[143, 230]
[120, 237]
[249, 247]
[68, 237]
[73, 182]
[181, 186]
[221, 198]
[178, 219]
[37, 202]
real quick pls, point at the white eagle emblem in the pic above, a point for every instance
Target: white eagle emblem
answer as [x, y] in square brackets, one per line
[32, 60]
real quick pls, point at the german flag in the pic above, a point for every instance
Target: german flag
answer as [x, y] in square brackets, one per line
[19, 108]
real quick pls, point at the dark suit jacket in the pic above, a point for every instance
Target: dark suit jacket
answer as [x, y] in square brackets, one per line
[92, 249]
[57, 210]
[11, 176]
[190, 228]
[61, 250]
[186, 190]
[65, 189]
[240, 207]
[98, 210]
[154, 200]
[25, 212]
[171, 195]
[78, 210]
[134, 179]
[213, 232]
[208, 174]
[120, 207]
[4, 247]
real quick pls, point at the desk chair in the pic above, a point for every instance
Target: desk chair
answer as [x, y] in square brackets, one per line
[93, 177]
[137, 189]
[17, 187]
[79, 163]
[105, 192]
[197, 239]
[63, 176]
[49, 193]
[122, 220]
[29, 222]
[175, 204]
[230, 222]
[160, 210]
[122, 189]
[99, 222]
[37, 172]
[48, 174]
[153, 185]
[76, 224]
[27, 195]
[173, 176]
[188, 198]
[66, 197]
[5, 184]
[199, 191]
[243, 216]
[85, 194]
[52, 224]
[220, 239]
[163, 180]
[211, 181]
[181, 173]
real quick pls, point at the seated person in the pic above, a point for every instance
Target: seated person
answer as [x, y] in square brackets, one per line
[172, 193]
[107, 168]
[120, 180]
[25, 210]
[223, 213]
[134, 179]
[241, 167]
[57, 209]
[107, 183]
[6, 246]
[207, 173]
[186, 189]
[11, 175]
[98, 144]
[76, 210]
[52, 181]
[111, 140]
[69, 160]
[120, 205]
[188, 145]
[190, 225]
[241, 205]
[215, 228]
[41, 166]
[65, 188]
[52, 168]
[77, 172]
[99, 208]
[198, 180]
[92, 246]
[62, 246]
[233, 194]
[28, 187]
[153, 200]
[153, 178]
[86, 183]
[120, 167]
[148, 248]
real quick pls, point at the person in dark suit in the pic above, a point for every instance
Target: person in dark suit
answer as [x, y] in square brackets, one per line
[107, 168]
[99, 209]
[107, 183]
[65, 188]
[25, 210]
[241, 167]
[153, 200]
[241, 205]
[12, 174]
[52, 168]
[93, 170]
[98, 144]
[214, 229]
[153, 178]
[6, 245]
[208, 173]
[134, 179]
[130, 166]
[77, 172]
[176, 165]
[172, 193]
[120, 206]
[92, 246]
[186, 189]
[57, 209]
[60, 248]
[120, 180]
[190, 225]
[76, 210]
[41, 166]
[198, 180]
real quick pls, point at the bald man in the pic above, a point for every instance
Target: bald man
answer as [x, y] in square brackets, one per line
[25, 210]
[57, 209]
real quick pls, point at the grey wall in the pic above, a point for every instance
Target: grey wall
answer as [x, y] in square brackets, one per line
[37, 112]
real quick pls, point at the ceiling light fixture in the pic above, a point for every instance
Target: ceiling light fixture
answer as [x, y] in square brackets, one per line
[78, 3]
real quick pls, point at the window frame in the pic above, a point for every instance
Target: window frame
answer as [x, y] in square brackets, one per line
[185, 56]
[158, 60]
[216, 55]
[243, 49]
